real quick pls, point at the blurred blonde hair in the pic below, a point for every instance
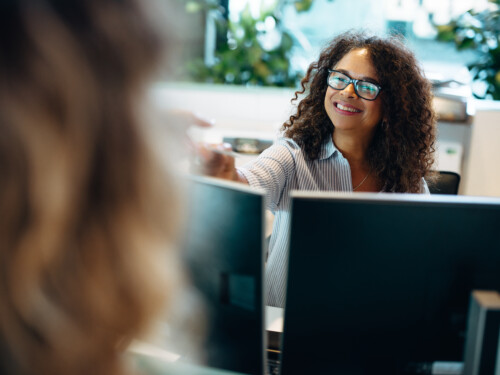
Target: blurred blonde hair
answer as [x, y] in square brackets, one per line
[87, 210]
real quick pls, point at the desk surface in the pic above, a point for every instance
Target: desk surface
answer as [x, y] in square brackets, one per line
[274, 319]
[274, 328]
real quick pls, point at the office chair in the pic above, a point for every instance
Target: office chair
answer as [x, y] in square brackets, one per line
[446, 183]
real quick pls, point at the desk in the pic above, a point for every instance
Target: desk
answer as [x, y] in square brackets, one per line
[156, 347]
[274, 327]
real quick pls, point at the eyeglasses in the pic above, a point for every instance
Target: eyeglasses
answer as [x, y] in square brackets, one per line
[364, 89]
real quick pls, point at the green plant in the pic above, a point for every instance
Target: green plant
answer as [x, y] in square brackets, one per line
[244, 58]
[479, 31]
[243, 54]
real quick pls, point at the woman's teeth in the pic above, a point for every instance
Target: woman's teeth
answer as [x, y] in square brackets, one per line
[348, 109]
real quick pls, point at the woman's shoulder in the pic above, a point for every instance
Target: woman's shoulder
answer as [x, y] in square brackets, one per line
[288, 145]
[424, 188]
[284, 150]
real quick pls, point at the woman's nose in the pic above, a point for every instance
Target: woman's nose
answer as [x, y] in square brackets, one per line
[349, 91]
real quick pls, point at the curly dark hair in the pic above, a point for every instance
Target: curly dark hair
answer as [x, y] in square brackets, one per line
[402, 149]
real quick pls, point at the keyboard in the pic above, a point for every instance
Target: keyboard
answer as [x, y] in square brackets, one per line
[273, 367]
[273, 362]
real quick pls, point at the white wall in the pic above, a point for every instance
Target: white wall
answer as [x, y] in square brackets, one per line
[260, 112]
[238, 109]
[482, 167]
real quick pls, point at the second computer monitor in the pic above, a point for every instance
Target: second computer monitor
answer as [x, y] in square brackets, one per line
[380, 283]
[224, 252]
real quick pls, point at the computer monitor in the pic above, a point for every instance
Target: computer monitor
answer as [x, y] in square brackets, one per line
[380, 283]
[224, 251]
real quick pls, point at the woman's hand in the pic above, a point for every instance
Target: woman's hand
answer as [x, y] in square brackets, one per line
[185, 119]
[215, 160]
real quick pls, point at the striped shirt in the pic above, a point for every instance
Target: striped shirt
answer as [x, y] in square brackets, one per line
[279, 170]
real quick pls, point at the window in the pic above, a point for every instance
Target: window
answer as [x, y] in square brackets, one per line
[412, 18]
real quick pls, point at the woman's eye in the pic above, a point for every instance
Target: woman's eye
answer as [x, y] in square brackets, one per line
[367, 88]
[339, 81]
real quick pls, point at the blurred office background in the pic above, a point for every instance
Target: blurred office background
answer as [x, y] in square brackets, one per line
[242, 60]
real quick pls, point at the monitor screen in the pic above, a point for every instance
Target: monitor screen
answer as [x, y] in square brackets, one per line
[380, 283]
[224, 253]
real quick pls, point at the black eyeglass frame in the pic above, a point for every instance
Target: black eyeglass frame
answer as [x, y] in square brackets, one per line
[354, 83]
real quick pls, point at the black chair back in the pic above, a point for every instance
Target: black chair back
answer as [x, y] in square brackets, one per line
[446, 183]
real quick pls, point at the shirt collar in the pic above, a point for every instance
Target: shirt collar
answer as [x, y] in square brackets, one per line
[327, 149]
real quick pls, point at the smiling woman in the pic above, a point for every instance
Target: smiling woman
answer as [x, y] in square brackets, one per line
[365, 123]
[398, 149]
[355, 116]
